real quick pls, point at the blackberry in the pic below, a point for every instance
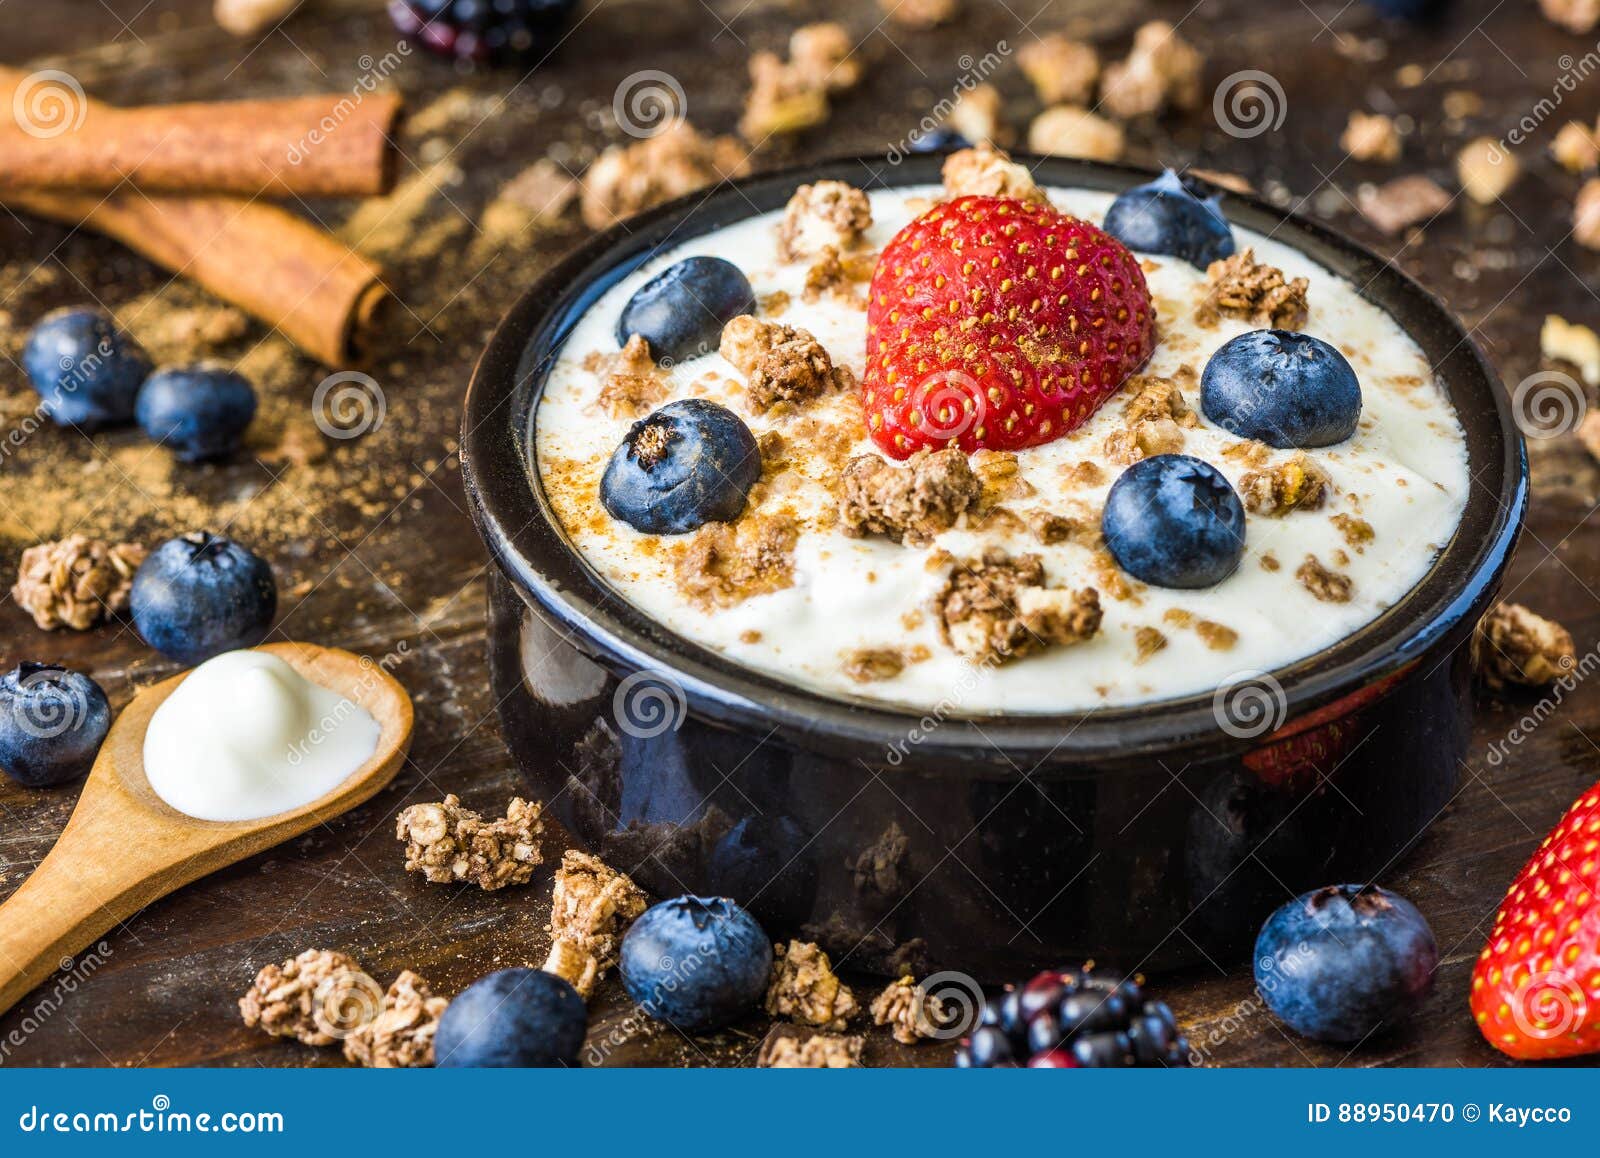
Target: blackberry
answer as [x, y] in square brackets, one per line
[1074, 1019]
[489, 32]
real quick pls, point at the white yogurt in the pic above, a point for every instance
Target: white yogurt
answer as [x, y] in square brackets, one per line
[245, 736]
[1404, 472]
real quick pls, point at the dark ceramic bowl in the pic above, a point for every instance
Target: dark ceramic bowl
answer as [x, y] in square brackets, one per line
[1144, 836]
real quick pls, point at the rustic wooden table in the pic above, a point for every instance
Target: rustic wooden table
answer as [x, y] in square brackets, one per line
[373, 546]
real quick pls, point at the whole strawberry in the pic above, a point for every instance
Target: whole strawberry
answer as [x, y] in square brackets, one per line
[999, 324]
[1536, 987]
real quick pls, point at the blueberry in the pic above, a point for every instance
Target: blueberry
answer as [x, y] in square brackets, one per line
[52, 723]
[681, 311]
[1338, 963]
[515, 1018]
[199, 595]
[1174, 521]
[1172, 216]
[87, 370]
[940, 139]
[199, 411]
[690, 463]
[1283, 388]
[696, 962]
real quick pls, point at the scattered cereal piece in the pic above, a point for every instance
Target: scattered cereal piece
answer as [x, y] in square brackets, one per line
[912, 1012]
[1512, 645]
[1586, 215]
[722, 565]
[1239, 286]
[985, 171]
[1143, 440]
[575, 965]
[1325, 585]
[631, 384]
[820, 215]
[1072, 131]
[997, 608]
[592, 906]
[1575, 148]
[788, 96]
[785, 1050]
[1051, 527]
[871, 664]
[1296, 484]
[401, 1035]
[976, 114]
[832, 276]
[1485, 170]
[1147, 641]
[75, 582]
[1564, 341]
[1357, 532]
[1573, 15]
[317, 998]
[911, 502]
[1371, 137]
[1216, 636]
[1162, 69]
[1062, 71]
[630, 179]
[780, 362]
[805, 989]
[1402, 203]
[448, 843]
[919, 13]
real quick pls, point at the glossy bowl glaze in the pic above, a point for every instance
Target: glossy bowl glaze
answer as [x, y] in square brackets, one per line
[1145, 836]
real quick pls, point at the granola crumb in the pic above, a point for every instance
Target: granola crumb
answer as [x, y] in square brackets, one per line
[822, 215]
[832, 276]
[1062, 71]
[592, 906]
[805, 989]
[1216, 636]
[625, 180]
[1162, 69]
[873, 664]
[1269, 562]
[911, 502]
[1249, 452]
[1082, 474]
[1399, 204]
[1151, 397]
[724, 564]
[631, 385]
[976, 114]
[774, 305]
[1296, 484]
[317, 998]
[1512, 645]
[1325, 585]
[447, 843]
[1074, 131]
[1052, 527]
[1178, 617]
[986, 171]
[997, 608]
[1586, 215]
[820, 1051]
[781, 363]
[1371, 137]
[75, 582]
[1564, 341]
[1357, 532]
[1143, 440]
[1575, 148]
[1485, 170]
[1147, 641]
[1573, 15]
[401, 1035]
[911, 1011]
[1239, 286]
[919, 13]
[787, 96]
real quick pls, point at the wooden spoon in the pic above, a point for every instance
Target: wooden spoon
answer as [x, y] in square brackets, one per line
[125, 847]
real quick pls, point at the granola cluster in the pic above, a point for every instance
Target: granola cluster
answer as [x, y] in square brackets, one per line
[1061, 70]
[1326, 585]
[75, 582]
[625, 180]
[785, 1049]
[805, 989]
[1512, 645]
[836, 276]
[781, 363]
[911, 502]
[912, 1012]
[723, 564]
[919, 13]
[591, 908]
[824, 214]
[1070, 131]
[1296, 484]
[448, 843]
[1156, 415]
[985, 171]
[1161, 71]
[787, 96]
[1371, 137]
[401, 1035]
[316, 998]
[1242, 287]
[998, 608]
[631, 385]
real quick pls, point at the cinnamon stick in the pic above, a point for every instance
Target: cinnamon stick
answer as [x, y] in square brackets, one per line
[337, 144]
[319, 294]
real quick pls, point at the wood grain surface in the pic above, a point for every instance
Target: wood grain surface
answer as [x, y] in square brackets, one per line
[374, 550]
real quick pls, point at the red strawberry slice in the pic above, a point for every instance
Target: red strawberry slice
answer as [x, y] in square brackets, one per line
[999, 324]
[1536, 987]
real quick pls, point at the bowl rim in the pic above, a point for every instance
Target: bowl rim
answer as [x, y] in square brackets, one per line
[525, 539]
